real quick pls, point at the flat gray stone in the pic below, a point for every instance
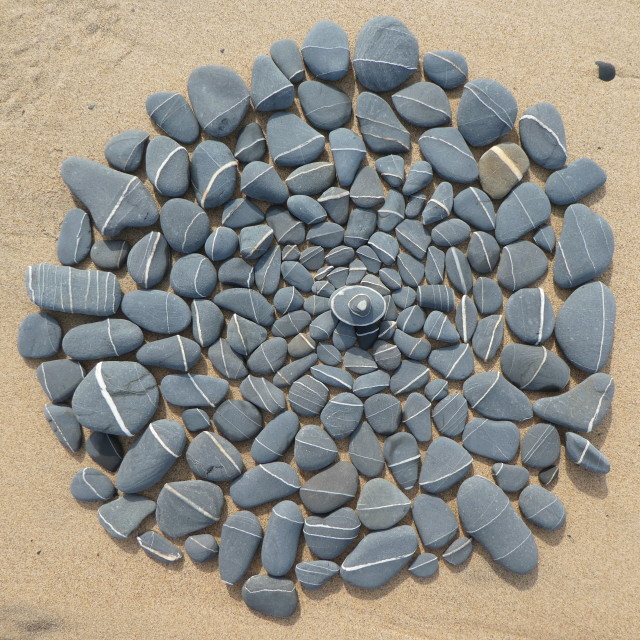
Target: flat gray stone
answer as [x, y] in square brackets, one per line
[65, 426]
[487, 516]
[276, 597]
[575, 181]
[255, 240]
[454, 362]
[172, 113]
[325, 51]
[315, 574]
[434, 520]
[457, 268]
[184, 224]
[436, 296]
[59, 378]
[261, 181]
[548, 476]
[238, 420]
[281, 537]
[247, 303]
[159, 548]
[74, 240]
[125, 150]
[167, 166]
[488, 337]
[268, 357]
[466, 318]
[292, 142]
[423, 104]
[409, 377]
[263, 394]
[240, 212]
[348, 151]
[329, 536]
[121, 517]
[529, 315]
[91, 485]
[444, 464]
[533, 368]
[193, 390]
[212, 457]
[521, 264]
[270, 88]
[402, 456]
[494, 397]
[381, 130]
[511, 478]
[39, 336]
[251, 144]
[497, 440]
[330, 489]
[383, 412]
[542, 508]
[244, 336]
[391, 170]
[176, 353]
[483, 252]
[585, 325]
[157, 311]
[419, 176]
[201, 547]
[333, 376]
[542, 135]
[416, 416]
[287, 299]
[275, 438]
[450, 415]
[105, 450]
[213, 173]
[325, 106]
[221, 244]
[109, 254]
[286, 54]
[476, 208]
[381, 504]
[545, 238]
[458, 552]
[239, 540]
[149, 260]
[487, 296]
[585, 455]
[294, 370]
[436, 390]
[365, 452]
[313, 178]
[424, 566]
[447, 69]
[264, 483]
[525, 209]
[439, 206]
[196, 420]
[314, 448]
[226, 361]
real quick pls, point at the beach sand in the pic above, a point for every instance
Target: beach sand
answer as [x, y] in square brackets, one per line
[72, 74]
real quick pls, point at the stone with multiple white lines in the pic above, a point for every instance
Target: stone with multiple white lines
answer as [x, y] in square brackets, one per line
[585, 455]
[158, 547]
[444, 464]
[264, 483]
[39, 336]
[240, 538]
[193, 276]
[238, 420]
[172, 113]
[330, 489]
[157, 311]
[59, 378]
[435, 521]
[65, 426]
[91, 485]
[167, 166]
[125, 150]
[381, 130]
[342, 414]
[533, 368]
[542, 508]
[151, 456]
[316, 573]
[416, 416]
[488, 517]
[448, 69]
[276, 597]
[379, 556]
[187, 506]
[314, 448]
[212, 457]
[458, 269]
[542, 135]
[149, 260]
[201, 547]
[493, 396]
[467, 317]
[529, 314]
[381, 504]
[330, 536]
[121, 517]
[74, 240]
[281, 537]
[225, 360]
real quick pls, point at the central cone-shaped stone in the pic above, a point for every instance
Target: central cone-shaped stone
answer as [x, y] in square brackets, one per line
[357, 305]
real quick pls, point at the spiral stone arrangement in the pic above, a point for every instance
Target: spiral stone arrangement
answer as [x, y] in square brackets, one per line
[337, 294]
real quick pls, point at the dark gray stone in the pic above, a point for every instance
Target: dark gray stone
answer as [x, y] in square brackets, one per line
[416, 415]
[276, 437]
[333, 376]
[450, 415]
[74, 240]
[529, 314]
[348, 151]
[488, 337]
[575, 181]
[91, 485]
[436, 296]
[402, 456]
[494, 439]
[542, 508]
[325, 51]
[391, 170]
[533, 368]
[255, 240]
[525, 209]
[454, 362]
[281, 537]
[383, 412]
[424, 566]
[330, 536]
[240, 213]
[268, 357]
[475, 207]
[487, 296]
[59, 378]
[314, 448]
[239, 540]
[419, 176]
[409, 377]
[540, 446]
[448, 69]
[483, 252]
[286, 54]
[248, 304]
[148, 260]
[494, 397]
[261, 181]
[364, 451]
[330, 489]
[457, 266]
[176, 353]
[125, 150]
[545, 238]
[434, 520]
[105, 450]
[439, 205]
[193, 390]
[201, 547]
[287, 299]
[238, 420]
[311, 179]
[511, 478]
[39, 336]
[121, 517]
[270, 88]
[585, 455]
[64, 425]
[235, 272]
[381, 130]
[184, 224]
[444, 464]
[371, 383]
[172, 113]
[251, 145]
[196, 420]
[221, 244]
[213, 173]
[315, 574]
[467, 318]
[450, 233]
[244, 336]
[436, 390]
[212, 457]
[292, 142]
[264, 483]
[294, 370]
[434, 267]
[381, 504]
[167, 166]
[109, 254]
[542, 135]
[276, 597]
[325, 106]
[225, 360]
[423, 104]
[521, 264]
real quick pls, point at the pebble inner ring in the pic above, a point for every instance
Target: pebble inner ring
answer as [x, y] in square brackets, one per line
[357, 306]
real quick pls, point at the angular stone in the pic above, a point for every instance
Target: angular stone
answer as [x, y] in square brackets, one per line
[475, 207]
[364, 451]
[439, 205]
[381, 504]
[409, 377]
[330, 536]
[458, 552]
[436, 390]
[240, 213]
[434, 267]
[380, 128]
[454, 362]
[420, 176]
[524, 209]
[212, 457]
[172, 113]
[585, 455]
[575, 181]
[316, 573]
[59, 378]
[545, 238]
[533, 368]
[261, 181]
[444, 464]
[240, 538]
[264, 483]
[450, 415]
[521, 264]
[281, 537]
[494, 397]
[348, 151]
[330, 489]
[251, 144]
[292, 142]
[39, 336]
[314, 448]
[542, 135]
[213, 173]
[434, 520]
[121, 517]
[248, 304]
[64, 425]
[286, 54]
[270, 88]
[158, 548]
[487, 296]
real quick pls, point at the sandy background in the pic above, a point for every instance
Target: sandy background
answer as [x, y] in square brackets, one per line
[72, 74]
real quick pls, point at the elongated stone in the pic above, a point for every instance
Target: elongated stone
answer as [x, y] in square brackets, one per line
[380, 128]
[542, 135]
[585, 455]
[276, 437]
[281, 537]
[381, 504]
[416, 415]
[159, 548]
[213, 173]
[447, 69]
[488, 337]
[240, 538]
[364, 451]
[466, 318]
[264, 483]
[176, 353]
[74, 240]
[330, 536]
[316, 573]
[263, 394]
[487, 296]
[294, 370]
[149, 260]
[575, 181]
[423, 104]
[434, 267]
[201, 547]
[379, 556]
[487, 516]
[219, 97]
[193, 390]
[212, 457]
[444, 464]
[312, 179]
[268, 357]
[493, 396]
[542, 508]
[529, 314]
[494, 439]
[104, 339]
[270, 88]
[511, 478]
[275, 597]
[286, 54]
[167, 166]
[121, 517]
[450, 415]
[251, 144]
[450, 233]
[91, 485]
[435, 521]
[439, 297]
[330, 489]
[333, 376]
[55, 288]
[439, 205]
[424, 566]
[521, 264]
[64, 425]
[226, 361]
[248, 304]
[172, 113]
[151, 456]
[585, 325]
[540, 446]
[125, 150]
[402, 456]
[483, 252]
[533, 368]
[118, 398]
[457, 267]
[454, 362]
[348, 151]
[115, 200]
[583, 407]
[105, 450]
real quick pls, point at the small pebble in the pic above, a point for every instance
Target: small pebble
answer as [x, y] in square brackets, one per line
[213, 173]
[467, 317]
[238, 420]
[381, 504]
[315, 574]
[511, 478]
[125, 150]
[542, 508]
[402, 456]
[109, 254]
[545, 238]
[91, 485]
[436, 390]
[325, 106]
[521, 264]
[264, 483]
[487, 296]
[434, 267]
[275, 597]
[488, 337]
[501, 168]
[212, 457]
[548, 476]
[158, 548]
[434, 520]
[348, 151]
[457, 268]
[381, 130]
[423, 104]
[251, 144]
[439, 205]
[575, 181]
[176, 353]
[585, 455]
[105, 450]
[542, 135]
[450, 415]
[275, 438]
[483, 252]
[454, 362]
[261, 181]
[493, 439]
[196, 420]
[221, 244]
[524, 209]
[225, 360]
[475, 207]
[185, 226]
[424, 566]
[448, 69]
[201, 547]
[121, 517]
[74, 240]
[606, 71]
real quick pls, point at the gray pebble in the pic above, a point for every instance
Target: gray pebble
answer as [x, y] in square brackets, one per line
[476, 208]
[330, 489]
[301, 345]
[542, 135]
[458, 552]
[176, 353]
[221, 244]
[291, 324]
[308, 396]
[439, 297]
[416, 415]
[275, 597]
[450, 415]
[148, 260]
[545, 238]
[251, 145]
[371, 383]
[483, 252]
[493, 396]
[381, 504]
[402, 456]
[314, 448]
[225, 360]
[435, 521]
[444, 464]
[540, 446]
[326, 234]
[529, 314]
[244, 336]
[359, 361]
[247, 303]
[105, 450]
[419, 176]
[74, 240]
[64, 425]
[457, 267]
[39, 336]
[329, 355]
[454, 362]
[585, 455]
[89, 292]
[409, 377]
[121, 517]
[316, 573]
[185, 226]
[487, 110]
[117, 398]
[238, 420]
[385, 55]
[404, 297]
[333, 376]
[521, 264]
[292, 142]
[487, 296]
[270, 88]
[525, 209]
[533, 368]
[412, 319]
[423, 104]
[583, 407]
[255, 240]
[348, 151]
[115, 200]
[585, 247]
[448, 69]
[264, 483]
[439, 205]
[90, 485]
[261, 181]
[336, 203]
[325, 51]
[201, 547]
[387, 356]
[287, 299]
[411, 269]
[436, 390]
[413, 237]
[158, 548]
[240, 213]
[220, 99]
[424, 566]
[366, 192]
[292, 371]
[415, 204]
[167, 166]
[311, 179]
[340, 256]
[286, 54]
[447, 152]
[109, 254]
[212, 457]
[193, 390]
[172, 113]
[360, 227]
[488, 337]
[213, 173]
[196, 420]
[325, 106]
[383, 412]
[467, 318]
[364, 451]
[286, 229]
[306, 209]
[240, 538]
[511, 478]
[434, 267]
[151, 456]
[542, 508]
[487, 516]
[391, 170]
[450, 233]
[585, 325]
[575, 181]
[125, 150]
[548, 476]
[281, 537]
[379, 556]
[276, 437]
[380, 128]
[392, 211]
[493, 439]
[330, 536]
[235, 272]
[296, 275]
[268, 357]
